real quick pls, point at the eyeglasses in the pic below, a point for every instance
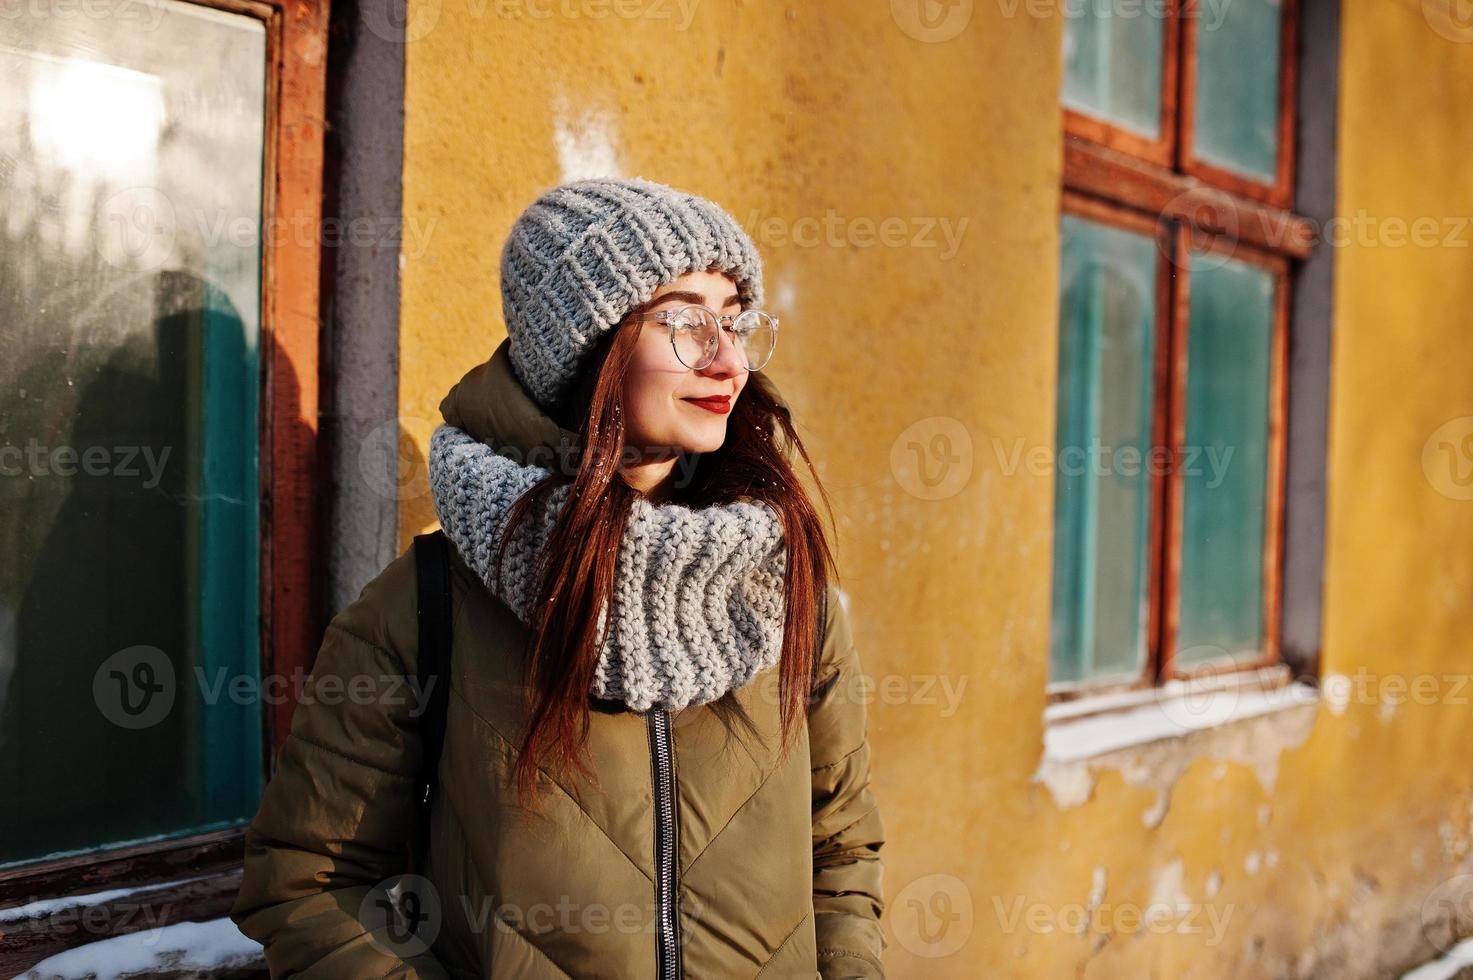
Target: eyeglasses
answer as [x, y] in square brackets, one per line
[695, 334]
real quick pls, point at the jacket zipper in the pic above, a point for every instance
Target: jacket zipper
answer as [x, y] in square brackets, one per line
[667, 900]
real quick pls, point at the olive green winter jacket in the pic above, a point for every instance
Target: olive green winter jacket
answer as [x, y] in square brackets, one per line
[776, 869]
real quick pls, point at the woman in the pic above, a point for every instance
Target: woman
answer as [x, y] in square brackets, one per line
[655, 761]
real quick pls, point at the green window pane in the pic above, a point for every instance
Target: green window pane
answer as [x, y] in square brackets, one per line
[1225, 466]
[1236, 122]
[130, 290]
[1107, 324]
[1112, 65]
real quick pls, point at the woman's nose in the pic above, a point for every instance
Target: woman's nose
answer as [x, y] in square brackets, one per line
[730, 359]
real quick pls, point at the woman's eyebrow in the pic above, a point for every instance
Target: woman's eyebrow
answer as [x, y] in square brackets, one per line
[687, 296]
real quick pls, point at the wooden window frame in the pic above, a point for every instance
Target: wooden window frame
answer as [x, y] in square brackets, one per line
[1174, 498]
[1160, 150]
[1158, 188]
[194, 877]
[1111, 214]
[1174, 148]
[1280, 192]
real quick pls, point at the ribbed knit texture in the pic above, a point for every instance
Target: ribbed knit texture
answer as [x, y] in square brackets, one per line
[698, 602]
[587, 252]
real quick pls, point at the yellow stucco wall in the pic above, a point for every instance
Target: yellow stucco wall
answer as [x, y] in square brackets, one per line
[831, 119]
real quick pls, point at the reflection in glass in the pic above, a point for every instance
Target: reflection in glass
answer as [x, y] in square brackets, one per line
[131, 142]
[1107, 327]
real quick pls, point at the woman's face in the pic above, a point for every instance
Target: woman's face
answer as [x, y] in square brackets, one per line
[662, 413]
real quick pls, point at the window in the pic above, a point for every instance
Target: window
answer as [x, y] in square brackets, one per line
[1176, 254]
[154, 462]
[131, 405]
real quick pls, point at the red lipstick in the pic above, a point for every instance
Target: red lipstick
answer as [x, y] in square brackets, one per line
[720, 404]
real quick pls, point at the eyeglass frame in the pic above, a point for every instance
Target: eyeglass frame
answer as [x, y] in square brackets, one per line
[723, 321]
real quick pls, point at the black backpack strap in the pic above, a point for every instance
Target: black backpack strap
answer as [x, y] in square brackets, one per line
[432, 568]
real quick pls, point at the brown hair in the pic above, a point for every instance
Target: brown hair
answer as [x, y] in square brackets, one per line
[577, 574]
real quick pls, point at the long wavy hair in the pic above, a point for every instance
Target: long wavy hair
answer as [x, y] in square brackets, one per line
[578, 570]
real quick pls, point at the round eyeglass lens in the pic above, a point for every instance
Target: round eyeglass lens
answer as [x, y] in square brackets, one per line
[756, 333]
[693, 334]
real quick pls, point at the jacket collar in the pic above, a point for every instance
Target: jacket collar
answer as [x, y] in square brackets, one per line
[491, 404]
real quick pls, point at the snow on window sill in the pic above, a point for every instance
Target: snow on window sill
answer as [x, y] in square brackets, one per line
[1152, 736]
[196, 949]
[1092, 726]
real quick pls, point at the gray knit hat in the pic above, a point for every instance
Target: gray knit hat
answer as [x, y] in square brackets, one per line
[587, 252]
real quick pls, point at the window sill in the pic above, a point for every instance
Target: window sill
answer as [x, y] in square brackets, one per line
[1152, 736]
[49, 907]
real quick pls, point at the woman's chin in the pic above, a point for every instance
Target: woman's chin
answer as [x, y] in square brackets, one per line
[703, 439]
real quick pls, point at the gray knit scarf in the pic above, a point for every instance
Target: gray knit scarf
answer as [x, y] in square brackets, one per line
[698, 603]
